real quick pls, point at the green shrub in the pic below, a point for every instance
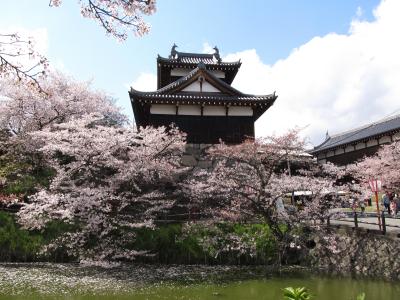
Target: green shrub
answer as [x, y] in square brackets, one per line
[17, 244]
[179, 243]
[28, 183]
[20, 245]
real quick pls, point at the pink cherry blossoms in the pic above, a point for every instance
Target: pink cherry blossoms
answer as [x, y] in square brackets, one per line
[384, 166]
[24, 110]
[117, 17]
[251, 182]
[109, 180]
[19, 59]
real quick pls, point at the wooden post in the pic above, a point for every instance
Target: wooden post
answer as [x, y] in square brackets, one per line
[377, 209]
[383, 223]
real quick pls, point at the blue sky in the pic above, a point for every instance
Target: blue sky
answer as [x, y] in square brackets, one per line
[271, 28]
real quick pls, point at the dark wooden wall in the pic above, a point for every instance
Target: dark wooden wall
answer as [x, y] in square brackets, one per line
[353, 156]
[209, 129]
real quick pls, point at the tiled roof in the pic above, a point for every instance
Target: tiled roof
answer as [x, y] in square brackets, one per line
[172, 92]
[359, 134]
[191, 97]
[200, 68]
[195, 58]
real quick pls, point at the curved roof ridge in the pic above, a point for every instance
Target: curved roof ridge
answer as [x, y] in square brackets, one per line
[208, 60]
[211, 96]
[188, 54]
[365, 126]
[179, 81]
[200, 68]
[382, 126]
[227, 91]
[223, 83]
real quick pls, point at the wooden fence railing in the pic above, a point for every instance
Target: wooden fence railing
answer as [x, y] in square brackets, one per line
[356, 221]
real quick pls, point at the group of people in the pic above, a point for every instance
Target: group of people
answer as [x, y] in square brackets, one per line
[391, 203]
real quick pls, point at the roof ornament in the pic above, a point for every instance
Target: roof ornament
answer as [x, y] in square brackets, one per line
[327, 135]
[201, 65]
[174, 53]
[216, 54]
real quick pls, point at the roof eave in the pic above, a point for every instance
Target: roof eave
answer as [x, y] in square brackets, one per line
[375, 136]
[169, 61]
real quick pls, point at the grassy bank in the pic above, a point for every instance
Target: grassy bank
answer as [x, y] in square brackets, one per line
[168, 244]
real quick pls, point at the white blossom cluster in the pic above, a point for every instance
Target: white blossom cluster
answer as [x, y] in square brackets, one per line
[109, 180]
[117, 17]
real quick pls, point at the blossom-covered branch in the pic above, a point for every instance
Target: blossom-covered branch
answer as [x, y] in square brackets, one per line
[109, 180]
[384, 166]
[24, 110]
[251, 181]
[117, 17]
[19, 60]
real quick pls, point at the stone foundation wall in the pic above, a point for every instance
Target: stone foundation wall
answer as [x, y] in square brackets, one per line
[358, 253]
[195, 156]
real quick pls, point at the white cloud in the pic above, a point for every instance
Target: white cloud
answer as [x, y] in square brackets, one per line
[334, 82]
[146, 82]
[38, 36]
[359, 12]
[207, 48]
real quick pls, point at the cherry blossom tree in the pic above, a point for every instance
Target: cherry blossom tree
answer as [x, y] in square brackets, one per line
[20, 61]
[24, 110]
[110, 180]
[117, 17]
[384, 165]
[250, 182]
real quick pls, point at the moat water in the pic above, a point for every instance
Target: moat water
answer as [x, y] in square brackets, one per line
[140, 282]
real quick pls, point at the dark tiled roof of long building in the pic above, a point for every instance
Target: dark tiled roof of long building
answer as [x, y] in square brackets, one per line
[378, 128]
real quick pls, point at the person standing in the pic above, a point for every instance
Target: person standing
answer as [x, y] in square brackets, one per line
[386, 201]
[362, 206]
[393, 208]
[397, 200]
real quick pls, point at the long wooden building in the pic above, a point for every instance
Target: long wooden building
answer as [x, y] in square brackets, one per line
[194, 92]
[350, 146]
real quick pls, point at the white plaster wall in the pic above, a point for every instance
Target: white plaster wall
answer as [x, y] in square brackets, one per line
[349, 148]
[360, 146]
[180, 72]
[207, 87]
[189, 110]
[385, 139]
[371, 143]
[214, 111]
[339, 151]
[321, 155]
[240, 111]
[163, 109]
[195, 87]
[322, 161]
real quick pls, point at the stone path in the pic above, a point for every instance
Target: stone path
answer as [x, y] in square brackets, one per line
[370, 222]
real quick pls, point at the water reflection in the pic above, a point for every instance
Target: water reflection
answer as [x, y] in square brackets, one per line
[139, 282]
